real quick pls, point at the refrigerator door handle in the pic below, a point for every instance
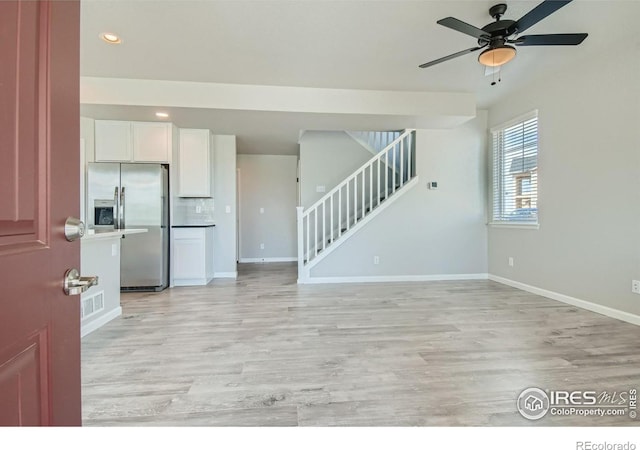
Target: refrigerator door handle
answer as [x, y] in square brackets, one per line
[122, 211]
[116, 209]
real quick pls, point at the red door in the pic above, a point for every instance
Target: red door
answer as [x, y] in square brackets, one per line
[39, 188]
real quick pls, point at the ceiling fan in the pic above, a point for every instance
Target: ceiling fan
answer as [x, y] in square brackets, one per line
[498, 38]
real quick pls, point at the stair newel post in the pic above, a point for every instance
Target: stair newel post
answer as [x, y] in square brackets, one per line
[300, 215]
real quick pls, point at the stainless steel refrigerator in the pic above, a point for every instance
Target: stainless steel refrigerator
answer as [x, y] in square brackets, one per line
[139, 194]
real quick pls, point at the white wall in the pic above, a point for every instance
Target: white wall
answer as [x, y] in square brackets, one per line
[87, 136]
[225, 233]
[427, 233]
[268, 182]
[588, 244]
[326, 159]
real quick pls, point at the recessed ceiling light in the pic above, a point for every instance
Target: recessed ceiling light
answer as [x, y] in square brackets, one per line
[164, 115]
[111, 38]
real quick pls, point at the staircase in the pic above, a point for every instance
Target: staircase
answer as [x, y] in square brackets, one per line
[330, 221]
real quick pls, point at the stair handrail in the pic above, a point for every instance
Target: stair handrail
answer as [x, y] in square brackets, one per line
[348, 179]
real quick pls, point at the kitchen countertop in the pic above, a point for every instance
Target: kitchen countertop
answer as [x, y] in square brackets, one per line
[204, 225]
[112, 233]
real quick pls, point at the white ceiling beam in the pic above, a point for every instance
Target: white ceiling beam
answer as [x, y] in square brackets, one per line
[447, 107]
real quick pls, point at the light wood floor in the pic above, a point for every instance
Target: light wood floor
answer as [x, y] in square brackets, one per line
[264, 351]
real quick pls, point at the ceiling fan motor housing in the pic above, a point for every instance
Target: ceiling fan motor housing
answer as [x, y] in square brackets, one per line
[498, 29]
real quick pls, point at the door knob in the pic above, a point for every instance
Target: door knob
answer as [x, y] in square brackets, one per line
[73, 229]
[74, 284]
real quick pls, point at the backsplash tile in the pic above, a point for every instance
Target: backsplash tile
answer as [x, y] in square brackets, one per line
[193, 211]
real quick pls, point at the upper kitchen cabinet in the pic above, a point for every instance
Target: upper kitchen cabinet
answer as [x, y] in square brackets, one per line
[151, 141]
[195, 163]
[125, 141]
[113, 140]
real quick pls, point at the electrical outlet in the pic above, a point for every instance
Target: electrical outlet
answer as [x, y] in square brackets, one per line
[510, 261]
[114, 249]
[261, 246]
[635, 286]
[376, 260]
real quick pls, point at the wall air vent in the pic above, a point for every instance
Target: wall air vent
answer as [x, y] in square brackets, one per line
[92, 305]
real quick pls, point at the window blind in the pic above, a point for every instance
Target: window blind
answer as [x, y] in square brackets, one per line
[515, 171]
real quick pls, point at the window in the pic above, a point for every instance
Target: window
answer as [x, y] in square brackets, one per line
[515, 171]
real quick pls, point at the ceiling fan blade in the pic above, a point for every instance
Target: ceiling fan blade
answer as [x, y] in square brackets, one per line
[447, 58]
[538, 13]
[551, 39]
[463, 27]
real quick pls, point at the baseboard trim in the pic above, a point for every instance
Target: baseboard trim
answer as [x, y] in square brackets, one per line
[584, 304]
[269, 260]
[186, 282]
[394, 278]
[100, 321]
[225, 275]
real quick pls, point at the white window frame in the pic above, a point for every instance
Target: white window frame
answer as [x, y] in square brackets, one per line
[497, 223]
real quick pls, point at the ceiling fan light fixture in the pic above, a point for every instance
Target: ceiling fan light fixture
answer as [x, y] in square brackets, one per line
[497, 56]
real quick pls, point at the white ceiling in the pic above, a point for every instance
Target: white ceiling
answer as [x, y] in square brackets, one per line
[329, 44]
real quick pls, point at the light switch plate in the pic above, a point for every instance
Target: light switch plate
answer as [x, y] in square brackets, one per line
[320, 188]
[227, 209]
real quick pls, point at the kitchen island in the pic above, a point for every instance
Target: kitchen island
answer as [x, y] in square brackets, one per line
[100, 256]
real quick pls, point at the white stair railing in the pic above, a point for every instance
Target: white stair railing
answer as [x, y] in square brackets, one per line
[325, 222]
[375, 141]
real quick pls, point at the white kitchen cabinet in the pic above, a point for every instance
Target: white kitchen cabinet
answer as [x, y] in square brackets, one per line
[192, 255]
[113, 140]
[124, 141]
[151, 141]
[195, 163]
